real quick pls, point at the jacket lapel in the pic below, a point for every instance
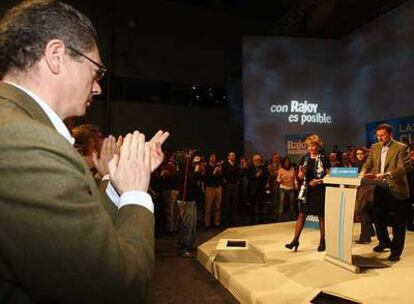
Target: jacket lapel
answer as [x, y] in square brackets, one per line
[390, 154]
[24, 102]
[377, 158]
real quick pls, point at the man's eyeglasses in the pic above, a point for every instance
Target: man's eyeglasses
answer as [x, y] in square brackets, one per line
[100, 73]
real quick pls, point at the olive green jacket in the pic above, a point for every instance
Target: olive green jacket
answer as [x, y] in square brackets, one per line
[397, 164]
[60, 240]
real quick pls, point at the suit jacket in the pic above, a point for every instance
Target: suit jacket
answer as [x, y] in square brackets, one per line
[397, 163]
[59, 242]
[256, 186]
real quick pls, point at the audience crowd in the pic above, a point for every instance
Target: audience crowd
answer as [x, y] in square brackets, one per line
[233, 191]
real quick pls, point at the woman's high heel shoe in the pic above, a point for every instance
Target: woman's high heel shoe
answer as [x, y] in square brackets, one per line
[322, 246]
[293, 244]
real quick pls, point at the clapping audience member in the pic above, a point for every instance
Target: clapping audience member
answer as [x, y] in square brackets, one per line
[69, 248]
[213, 181]
[257, 177]
[231, 183]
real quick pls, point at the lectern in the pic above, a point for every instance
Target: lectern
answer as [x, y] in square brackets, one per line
[339, 220]
[340, 199]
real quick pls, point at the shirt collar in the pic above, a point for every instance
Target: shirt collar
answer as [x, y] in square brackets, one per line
[388, 145]
[54, 118]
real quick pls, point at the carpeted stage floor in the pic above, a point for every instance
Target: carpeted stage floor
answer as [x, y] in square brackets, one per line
[184, 281]
[296, 277]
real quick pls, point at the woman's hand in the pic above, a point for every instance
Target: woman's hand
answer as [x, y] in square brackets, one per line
[302, 172]
[315, 182]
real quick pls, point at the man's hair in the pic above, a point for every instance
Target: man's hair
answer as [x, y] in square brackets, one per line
[257, 156]
[386, 127]
[26, 29]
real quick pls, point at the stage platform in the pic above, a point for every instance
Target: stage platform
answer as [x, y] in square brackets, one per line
[272, 273]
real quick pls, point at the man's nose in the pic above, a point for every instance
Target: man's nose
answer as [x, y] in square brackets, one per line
[96, 88]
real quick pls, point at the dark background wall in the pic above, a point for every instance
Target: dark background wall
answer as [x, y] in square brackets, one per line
[379, 68]
[169, 41]
[158, 50]
[179, 46]
[167, 46]
[367, 76]
[206, 129]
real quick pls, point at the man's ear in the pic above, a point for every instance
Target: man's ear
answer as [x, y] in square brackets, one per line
[54, 55]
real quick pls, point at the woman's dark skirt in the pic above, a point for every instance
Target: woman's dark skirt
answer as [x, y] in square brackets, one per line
[315, 203]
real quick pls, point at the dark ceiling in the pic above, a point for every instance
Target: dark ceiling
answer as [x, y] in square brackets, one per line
[332, 19]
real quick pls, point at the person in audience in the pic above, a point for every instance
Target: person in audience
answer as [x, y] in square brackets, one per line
[62, 240]
[189, 181]
[345, 160]
[272, 171]
[257, 177]
[339, 153]
[350, 149]
[349, 159]
[389, 161]
[231, 183]
[85, 144]
[288, 185]
[364, 202]
[244, 165]
[312, 169]
[333, 160]
[88, 141]
[360, 156]
[98, 136]
[169, 193]
[213, 181]
[154, 190]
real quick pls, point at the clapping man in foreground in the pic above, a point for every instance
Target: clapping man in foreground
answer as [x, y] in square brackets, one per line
[58, 242]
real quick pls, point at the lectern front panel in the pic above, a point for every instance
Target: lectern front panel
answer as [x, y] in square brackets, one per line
[339, 218]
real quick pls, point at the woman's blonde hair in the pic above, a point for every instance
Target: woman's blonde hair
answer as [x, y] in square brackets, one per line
[313, 139]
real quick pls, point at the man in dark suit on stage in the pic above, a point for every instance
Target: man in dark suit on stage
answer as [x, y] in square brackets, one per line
[59, 242]
[389, 161]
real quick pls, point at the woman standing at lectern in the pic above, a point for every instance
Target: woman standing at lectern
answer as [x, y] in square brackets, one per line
[312, 169]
